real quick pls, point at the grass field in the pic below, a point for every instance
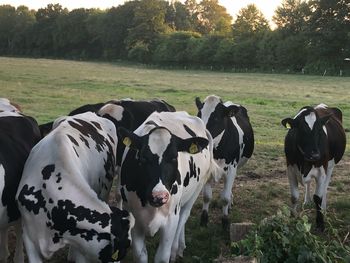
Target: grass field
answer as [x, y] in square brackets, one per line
[47, 89]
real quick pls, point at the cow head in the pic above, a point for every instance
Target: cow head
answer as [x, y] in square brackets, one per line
[121, 224]
[215, 113]
[120, 116]
[157, 155]
[310, 133]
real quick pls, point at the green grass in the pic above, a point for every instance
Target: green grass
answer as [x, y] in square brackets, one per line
[47, 89]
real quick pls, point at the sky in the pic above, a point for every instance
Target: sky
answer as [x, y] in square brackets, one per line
[267, 7]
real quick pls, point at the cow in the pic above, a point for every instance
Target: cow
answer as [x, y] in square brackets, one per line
[168, 160]
[135, 112]
[63, 192]
[47, 127]
[233, 137]
[314, 143]
[18, 134]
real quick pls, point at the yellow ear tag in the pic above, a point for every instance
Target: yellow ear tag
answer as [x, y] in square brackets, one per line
[127, 141]
[193, 148]
[288, 126]
[115, 255]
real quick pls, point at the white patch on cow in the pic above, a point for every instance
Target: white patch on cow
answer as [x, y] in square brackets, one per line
[5, 105]
[300, 112]
[2, 176]
[115, 111]
[310, 119]
[325, 129]
[210, 103]
[158, 142]
[321, 106]
[218, 138]
[240, 135]
[160, 187]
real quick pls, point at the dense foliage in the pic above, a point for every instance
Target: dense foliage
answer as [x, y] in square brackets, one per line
[283, 238]
[310, 37]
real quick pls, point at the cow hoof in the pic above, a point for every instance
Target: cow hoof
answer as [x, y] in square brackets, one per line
[225, 223]
[204, 218]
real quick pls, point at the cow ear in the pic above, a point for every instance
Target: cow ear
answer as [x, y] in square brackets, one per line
[288, 123]
[192, 145]
[129, 138]
[231, 110]
[199, 104]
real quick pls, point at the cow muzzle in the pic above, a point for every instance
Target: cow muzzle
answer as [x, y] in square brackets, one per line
[159, 198]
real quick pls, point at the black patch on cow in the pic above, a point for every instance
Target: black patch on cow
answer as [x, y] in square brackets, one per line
[189, 131]
[75, 150]
[66, 215]
[98, 126]
[122, 192]
[17, 137]
[29, 204]
[44, 185]
[50, 201]
[187, 179]
[152, 123]
[111, 138]
[173, 189]
[84, 141]
[88, 130]
[192, 173]
[74, 141]
[59, 178]
[47, 171]
[59, 188]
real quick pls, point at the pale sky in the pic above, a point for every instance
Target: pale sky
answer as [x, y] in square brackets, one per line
[267, 7]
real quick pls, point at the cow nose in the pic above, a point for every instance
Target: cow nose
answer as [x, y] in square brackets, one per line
[159, 198]
[314, 156]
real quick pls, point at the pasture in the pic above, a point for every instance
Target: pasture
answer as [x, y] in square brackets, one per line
[46, 89]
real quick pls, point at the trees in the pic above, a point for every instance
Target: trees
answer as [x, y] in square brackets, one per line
[148, 24]
[312, 35]
[248, 30]
[328, 30]
[291, 35]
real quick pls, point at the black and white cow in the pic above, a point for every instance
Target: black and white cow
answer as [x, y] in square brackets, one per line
[65, 183]
[18, 134]
[314, 143]
[134, 113]
[233, 139]
[168, 161]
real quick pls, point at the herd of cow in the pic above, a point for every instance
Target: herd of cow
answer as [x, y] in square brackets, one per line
[55, 179]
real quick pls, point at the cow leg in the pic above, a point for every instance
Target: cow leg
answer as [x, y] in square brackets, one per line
[207, 196]
[4, 253]
[293, 184]
[138, 245]
[19, 256]
[179, 243]
[328, 179]
[226, 194]
[321, 179]
[32, 252]
[167, 238]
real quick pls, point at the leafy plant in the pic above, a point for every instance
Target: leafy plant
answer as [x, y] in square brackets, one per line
[282, 238]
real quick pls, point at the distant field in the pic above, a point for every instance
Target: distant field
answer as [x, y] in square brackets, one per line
[47, 89]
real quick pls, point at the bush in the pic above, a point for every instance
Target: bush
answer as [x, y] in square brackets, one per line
[282, 238]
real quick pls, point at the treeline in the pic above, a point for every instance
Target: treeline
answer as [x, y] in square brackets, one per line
[310, 36]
